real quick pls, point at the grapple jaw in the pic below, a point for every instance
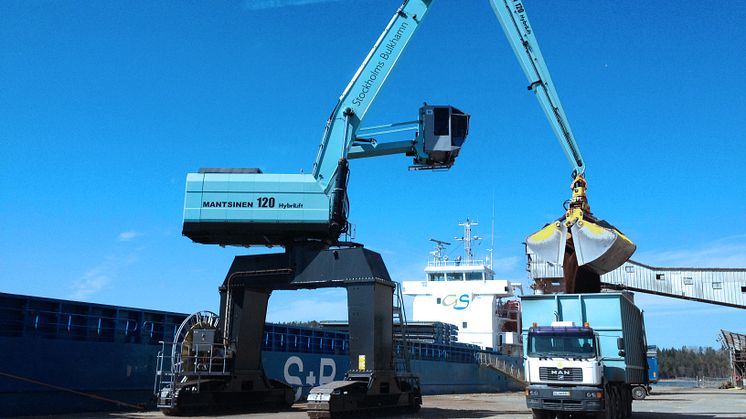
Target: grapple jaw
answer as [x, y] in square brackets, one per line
[597, 246]
[548, 244]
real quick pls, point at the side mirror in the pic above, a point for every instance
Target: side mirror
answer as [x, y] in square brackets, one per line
[620, 343]
[622, 353]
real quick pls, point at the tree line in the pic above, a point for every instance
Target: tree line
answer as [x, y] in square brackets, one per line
[693, 362]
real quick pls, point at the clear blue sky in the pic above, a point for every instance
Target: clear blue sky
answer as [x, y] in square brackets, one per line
[106, 105]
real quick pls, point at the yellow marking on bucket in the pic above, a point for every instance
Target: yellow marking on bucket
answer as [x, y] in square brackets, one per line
[545, 233]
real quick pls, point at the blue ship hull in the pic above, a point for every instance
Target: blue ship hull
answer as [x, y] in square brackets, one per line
[65, 357]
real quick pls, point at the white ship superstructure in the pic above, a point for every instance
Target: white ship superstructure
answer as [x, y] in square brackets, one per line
[464, 292]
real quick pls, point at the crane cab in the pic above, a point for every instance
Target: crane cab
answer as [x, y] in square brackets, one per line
[442, 132]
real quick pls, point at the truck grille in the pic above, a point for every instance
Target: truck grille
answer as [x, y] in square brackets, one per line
[560, 374]
[566, 405]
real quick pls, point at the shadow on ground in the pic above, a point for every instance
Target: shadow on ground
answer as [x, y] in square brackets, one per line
[438, 412]
[658, 415]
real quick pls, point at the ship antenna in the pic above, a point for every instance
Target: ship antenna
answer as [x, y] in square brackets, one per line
[438, 252]
[468, 238]
[492, 230]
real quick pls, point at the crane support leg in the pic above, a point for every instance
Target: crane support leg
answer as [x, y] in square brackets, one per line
[371, 384]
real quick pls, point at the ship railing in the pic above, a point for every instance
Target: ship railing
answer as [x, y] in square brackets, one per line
[507, 368]
[80, 322]
[455, 262]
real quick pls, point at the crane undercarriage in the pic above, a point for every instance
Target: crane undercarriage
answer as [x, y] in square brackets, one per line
[215, 364]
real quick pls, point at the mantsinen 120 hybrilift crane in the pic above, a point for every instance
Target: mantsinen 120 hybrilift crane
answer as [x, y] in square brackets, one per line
[215, 361]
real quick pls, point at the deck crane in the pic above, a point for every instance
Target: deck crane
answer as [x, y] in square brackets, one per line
[216, 360]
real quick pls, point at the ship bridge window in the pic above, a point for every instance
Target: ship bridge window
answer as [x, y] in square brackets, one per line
[437, 276]
[454, 276]
[474, 276]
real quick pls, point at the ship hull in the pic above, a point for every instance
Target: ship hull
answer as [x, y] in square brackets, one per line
[65, 357]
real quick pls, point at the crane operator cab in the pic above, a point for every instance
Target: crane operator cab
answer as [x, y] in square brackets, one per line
[444, 129]
[246, 207]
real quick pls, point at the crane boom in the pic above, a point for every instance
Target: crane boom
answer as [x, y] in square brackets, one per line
[363, 88]
[514, 21]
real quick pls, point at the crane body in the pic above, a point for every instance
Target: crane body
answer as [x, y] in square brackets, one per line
[246, 207]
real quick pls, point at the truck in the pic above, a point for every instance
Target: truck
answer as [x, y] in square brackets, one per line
[584, 353]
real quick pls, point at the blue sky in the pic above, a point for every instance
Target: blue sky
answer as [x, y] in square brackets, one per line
[106, 105]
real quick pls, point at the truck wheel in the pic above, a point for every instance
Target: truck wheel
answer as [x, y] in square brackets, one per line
[627, 400]
[639, 393]
[618, 411]
[542, 414]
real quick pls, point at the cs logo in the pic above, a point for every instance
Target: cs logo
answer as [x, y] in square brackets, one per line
[456, 302]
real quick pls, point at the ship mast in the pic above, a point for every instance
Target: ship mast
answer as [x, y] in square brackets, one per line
[468, 238]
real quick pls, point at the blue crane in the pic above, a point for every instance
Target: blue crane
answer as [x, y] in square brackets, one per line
[307, 214]
[247, 207]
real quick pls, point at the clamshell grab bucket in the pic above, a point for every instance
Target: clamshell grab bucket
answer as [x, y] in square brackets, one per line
[548, 244]
[600, 248]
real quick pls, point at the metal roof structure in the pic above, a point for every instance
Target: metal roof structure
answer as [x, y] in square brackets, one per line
[735, 344]
[722, 286]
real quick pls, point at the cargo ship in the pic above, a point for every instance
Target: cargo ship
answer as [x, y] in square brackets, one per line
[65, 356]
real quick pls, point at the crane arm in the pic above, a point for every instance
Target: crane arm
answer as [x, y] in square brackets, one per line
[362, 90]
[584, 244]
[520, 34]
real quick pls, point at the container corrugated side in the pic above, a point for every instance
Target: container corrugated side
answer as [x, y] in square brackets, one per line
[611, 315]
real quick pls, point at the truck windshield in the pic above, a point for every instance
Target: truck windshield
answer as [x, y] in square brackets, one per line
[561, 345]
